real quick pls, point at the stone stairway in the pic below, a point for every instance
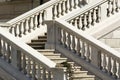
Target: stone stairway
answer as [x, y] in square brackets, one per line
[75, 71]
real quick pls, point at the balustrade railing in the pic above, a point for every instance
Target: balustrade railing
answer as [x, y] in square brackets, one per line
[27, 60]
[92, 14]
[86, 48]
[33, 19]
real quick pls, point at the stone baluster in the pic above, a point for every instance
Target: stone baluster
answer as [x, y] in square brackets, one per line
[108, 8]
[83, 21]
[117, 5]
[72, 5]
[68, 6]
[32, 23]
[64, 38]
[83, 50]
[104, 62]
[24, 63]
[0, 47]
[113, 6]
[98, 14]
[39, 73]
[40, 18]
[21, 29]
[29, 67]
[69, 41]
[16, 30]
[88, 19]
[59, 36]
[88, 53]
[8, 53]
[34, 70]
[19, 60]
[78, 47]
[36, 20]
[118, 70]
[59, 9]
[63, 8]
[92, 17]
[109, 65]
[73, 43]
[76, 22]
[114, 68]
[76, 3]
[79, 23]
[55, 11]
[4, 49]
[49, 75]
[44, 74]
[27, 28]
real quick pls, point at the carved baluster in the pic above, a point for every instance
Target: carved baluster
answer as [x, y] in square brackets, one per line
[64, 38]
[63, 8]
[8, 53]
[24, 64]
[4, 49]
[29, 67]
[68, 6]
[117, 6]
[44, 74]
[108, 8]
[16, 30]
[78, 47]
[73, 43]
[69, 41]
[49, 75]
[92, 17]
[88, 53]
[44, 17]
[55, 11]
[19, 60]
[36, 21]
[59, 36]
[39, 73]
[79, 23]
[118, 70]
[0, 47]
[27, 28]
[83, 50]
[59, 9]
[33, 70]
[114, 68]
[87, 20]
[75, 22]
[76, 4]
[83, 21]
[72, 5]
[32, 22]
[98, 14]
[11, 30]
[21, 29]
[99, 60]
[109, 65]
[113, 6]
[40, 19]
[104, 62]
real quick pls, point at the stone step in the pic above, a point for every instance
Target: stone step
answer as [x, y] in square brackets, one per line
[79, 73]
[39, 40]
[84, 77]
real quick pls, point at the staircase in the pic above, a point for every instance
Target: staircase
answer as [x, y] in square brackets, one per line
[74, 72]
[66, 52]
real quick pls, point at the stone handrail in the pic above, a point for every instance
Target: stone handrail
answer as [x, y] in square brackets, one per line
[92, 13]
[26, 59]
[85, 50]
[33, 19]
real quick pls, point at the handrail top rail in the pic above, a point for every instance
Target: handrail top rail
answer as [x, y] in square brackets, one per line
[83, 10]
[46, 62]
[89, 39]
[4, 24]
[33, 11]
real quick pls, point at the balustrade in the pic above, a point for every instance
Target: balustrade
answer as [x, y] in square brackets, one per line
[24, 24]
[21, 57]
[85, 47]
[94, 13]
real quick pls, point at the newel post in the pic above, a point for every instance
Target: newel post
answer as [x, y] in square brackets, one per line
[51, 35]
[59, 74]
